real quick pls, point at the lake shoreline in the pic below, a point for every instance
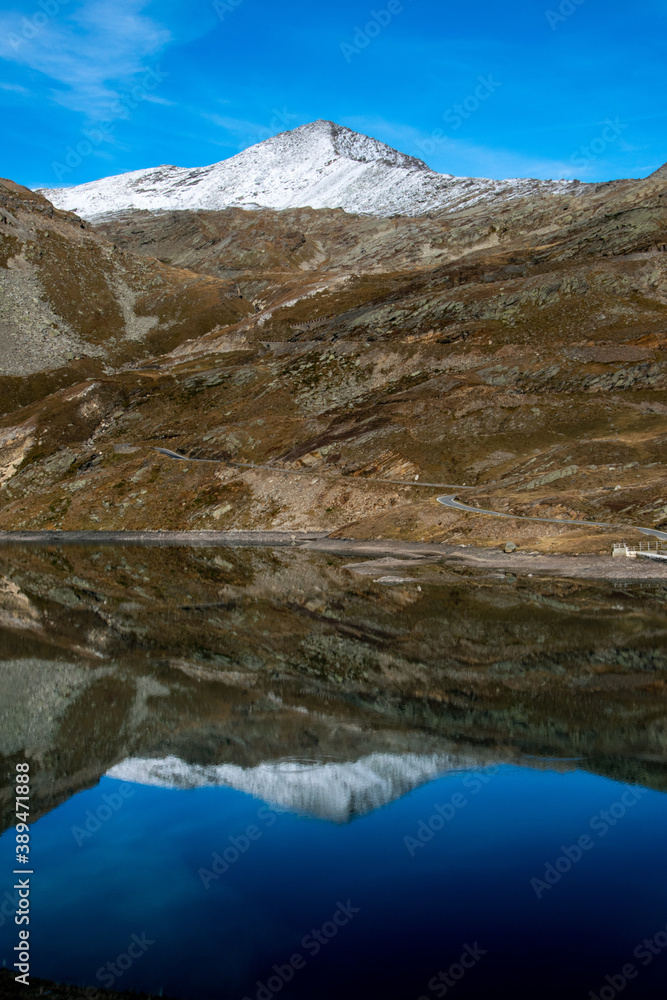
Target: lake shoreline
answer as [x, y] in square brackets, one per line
[38, 987]
[522, 563]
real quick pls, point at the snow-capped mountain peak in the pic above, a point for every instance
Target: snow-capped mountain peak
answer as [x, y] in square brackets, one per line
[319, 165]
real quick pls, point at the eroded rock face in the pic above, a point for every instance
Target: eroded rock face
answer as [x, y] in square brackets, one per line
[521, 353]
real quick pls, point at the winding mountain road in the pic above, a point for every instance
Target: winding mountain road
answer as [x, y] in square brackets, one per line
[451, 501]
[304, 472]
[447, 501]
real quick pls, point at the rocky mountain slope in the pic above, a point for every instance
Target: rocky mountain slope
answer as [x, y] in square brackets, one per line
[521, 352]
[65, 293]
[320, 165]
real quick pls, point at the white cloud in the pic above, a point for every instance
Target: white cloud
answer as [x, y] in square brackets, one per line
[154, 99]
[239, 127]
[246, 132]
[93, 52]
[14, 87]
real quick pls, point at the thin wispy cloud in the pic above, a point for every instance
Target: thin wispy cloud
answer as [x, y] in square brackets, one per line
[266, 68]
[447, 154]
[237, 126]
[243, 132]
[14, 87]
[91, 53]
[154, 99]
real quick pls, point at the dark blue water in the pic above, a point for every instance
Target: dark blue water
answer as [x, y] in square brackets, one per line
[390, 915]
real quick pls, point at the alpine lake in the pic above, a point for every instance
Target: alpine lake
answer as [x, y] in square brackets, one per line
[263, 772]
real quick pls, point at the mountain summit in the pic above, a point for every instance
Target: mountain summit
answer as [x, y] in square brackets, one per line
[319, 165]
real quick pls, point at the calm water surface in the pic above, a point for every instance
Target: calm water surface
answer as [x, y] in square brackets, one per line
[411, 889]
[260, 774]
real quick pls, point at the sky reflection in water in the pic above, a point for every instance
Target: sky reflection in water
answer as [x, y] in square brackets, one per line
[148, 870]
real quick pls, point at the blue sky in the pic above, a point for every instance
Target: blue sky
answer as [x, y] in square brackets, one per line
[572, 88]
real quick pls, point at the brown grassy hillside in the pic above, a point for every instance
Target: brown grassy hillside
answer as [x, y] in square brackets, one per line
[522, 353]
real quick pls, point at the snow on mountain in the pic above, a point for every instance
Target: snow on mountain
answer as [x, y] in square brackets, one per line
[335, 792]
[320, 165]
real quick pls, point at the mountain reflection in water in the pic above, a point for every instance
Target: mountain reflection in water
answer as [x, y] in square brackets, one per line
[335, 792]
[213, 684]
